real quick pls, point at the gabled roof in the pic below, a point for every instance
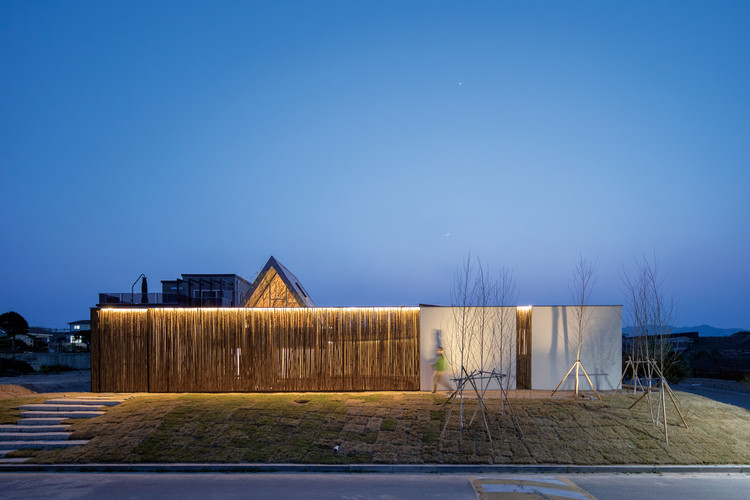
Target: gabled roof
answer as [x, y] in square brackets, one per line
[80, 322]
[272, 269]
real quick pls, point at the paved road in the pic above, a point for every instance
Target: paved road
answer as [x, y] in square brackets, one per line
[72, 381]
[741, 399]
[702, 486]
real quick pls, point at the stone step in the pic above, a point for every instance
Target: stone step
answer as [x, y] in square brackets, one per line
[87, 401]
[40, 445]
[32, 428]
[49, 407]
[33, 422]
[36, 436]
[61, 414]
[12, 460]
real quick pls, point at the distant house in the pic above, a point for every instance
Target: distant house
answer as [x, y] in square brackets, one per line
[41, 335]
[80, 325]
[24, 340]
[206, 290]
[78, 330]
[276, 286]
[73, 338]
[680, 342]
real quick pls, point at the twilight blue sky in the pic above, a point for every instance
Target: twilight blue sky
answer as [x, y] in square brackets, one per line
[370, 145]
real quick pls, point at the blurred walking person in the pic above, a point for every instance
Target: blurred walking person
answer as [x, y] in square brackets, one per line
[438, 376]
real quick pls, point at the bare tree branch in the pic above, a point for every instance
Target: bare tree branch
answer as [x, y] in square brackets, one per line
[581, 287]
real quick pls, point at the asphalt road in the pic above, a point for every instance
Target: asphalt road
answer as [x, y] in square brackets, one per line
[741, 399]
[666, 486]
[72, 381]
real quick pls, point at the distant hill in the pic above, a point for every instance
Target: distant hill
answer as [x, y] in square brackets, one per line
[709, 331]
[703, 330]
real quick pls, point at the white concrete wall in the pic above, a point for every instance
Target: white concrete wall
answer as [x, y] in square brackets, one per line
[444, 320]
[553, 347]
[551, 356]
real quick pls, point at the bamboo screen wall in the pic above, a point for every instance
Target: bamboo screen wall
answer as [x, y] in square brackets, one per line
[254, 350]
[523, 348]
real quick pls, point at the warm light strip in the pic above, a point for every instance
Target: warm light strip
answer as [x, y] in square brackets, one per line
[524, 308]
[144, 309]
[125, 309]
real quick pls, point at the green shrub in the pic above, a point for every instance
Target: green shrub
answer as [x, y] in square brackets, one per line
[55, 368]
[11, 366]
[678, 369]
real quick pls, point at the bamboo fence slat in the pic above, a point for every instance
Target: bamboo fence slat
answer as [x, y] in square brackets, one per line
[255, 350]
[523, 348]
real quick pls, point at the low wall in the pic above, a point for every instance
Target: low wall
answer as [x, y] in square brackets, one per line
[75, 360]
[552, 349]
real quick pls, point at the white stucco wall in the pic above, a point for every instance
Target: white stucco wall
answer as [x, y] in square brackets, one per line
[435, 319]
[551, 355]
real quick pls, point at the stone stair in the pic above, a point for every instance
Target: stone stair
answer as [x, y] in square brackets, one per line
[41, 427]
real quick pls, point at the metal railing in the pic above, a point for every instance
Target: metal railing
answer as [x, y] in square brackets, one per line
[160, 299]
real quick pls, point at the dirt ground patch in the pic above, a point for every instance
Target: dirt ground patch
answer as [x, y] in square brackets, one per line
[399, 428]
[13, 391]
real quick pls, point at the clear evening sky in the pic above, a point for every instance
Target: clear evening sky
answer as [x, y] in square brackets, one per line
[369, 146]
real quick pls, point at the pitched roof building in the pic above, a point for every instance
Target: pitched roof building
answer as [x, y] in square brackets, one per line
[276, 286]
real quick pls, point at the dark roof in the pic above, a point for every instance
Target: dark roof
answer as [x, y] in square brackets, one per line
[217, 276]
[289, 279]
[80, 322]
[205, 277]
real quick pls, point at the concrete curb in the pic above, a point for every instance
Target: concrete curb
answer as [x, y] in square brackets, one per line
[374, 468]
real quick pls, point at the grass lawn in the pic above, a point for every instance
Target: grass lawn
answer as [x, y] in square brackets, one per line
[397, 428]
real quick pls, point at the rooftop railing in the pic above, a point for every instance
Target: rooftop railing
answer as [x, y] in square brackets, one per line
[160, 299]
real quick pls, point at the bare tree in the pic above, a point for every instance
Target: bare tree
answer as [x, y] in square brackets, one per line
[480, 343]
[651, 315]
[479, 327]
[662, 313]
[504, 322]
[652, 353]
[581, 286]
[484, 292]
[463, 293]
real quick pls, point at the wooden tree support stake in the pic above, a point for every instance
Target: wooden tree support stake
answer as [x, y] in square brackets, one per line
[575, 366]
[460, 384]
[664, 391]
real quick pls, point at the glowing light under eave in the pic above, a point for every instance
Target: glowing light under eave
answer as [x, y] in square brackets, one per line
[144, 309]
